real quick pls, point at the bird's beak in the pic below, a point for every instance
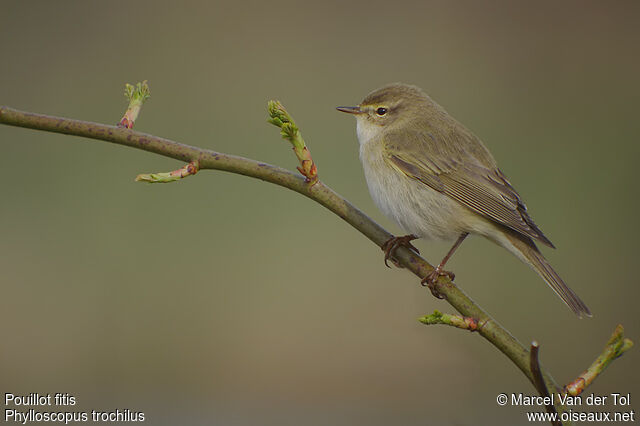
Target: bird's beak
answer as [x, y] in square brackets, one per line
[350, 110]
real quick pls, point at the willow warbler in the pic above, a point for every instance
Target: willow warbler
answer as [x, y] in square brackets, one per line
[434, 178]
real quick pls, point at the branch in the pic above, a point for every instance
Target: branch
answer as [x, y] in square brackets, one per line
[615, 347]
[319, 192]
[538, 381]
[207, 159]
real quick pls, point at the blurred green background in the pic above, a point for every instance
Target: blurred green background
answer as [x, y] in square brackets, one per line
[225, 300]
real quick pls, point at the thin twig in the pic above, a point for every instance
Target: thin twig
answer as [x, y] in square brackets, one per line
[615, 347]
[464, 323]
[136, 95]
[280, 117]
[538, 382]
[172, 176]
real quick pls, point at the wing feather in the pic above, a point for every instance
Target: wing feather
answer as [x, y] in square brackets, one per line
[481, 187]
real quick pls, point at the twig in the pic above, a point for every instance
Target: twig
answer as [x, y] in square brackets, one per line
[136, 95]
[465, 323]
[166, 177]
[279, 117]
[538, 382]
[615, 347]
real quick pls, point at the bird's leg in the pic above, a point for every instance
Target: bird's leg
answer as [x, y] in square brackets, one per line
[430, 280]
[390, 246]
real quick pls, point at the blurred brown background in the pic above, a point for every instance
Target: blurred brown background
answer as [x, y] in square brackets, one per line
[228, 301]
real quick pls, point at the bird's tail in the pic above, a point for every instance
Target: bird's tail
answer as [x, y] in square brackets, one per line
[526, 250]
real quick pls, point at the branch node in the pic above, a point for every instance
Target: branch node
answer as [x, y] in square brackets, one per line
[465, 323]
[279, 117]
[136, 95]
[615, 347]
[166, 177]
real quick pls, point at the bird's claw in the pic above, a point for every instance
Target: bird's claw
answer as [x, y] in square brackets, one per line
[390, 246]
[431, 279]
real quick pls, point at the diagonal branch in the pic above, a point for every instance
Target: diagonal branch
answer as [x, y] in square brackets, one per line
[324, 195]
[319, 192]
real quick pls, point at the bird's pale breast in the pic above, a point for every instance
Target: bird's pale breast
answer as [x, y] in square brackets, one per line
[414, 206]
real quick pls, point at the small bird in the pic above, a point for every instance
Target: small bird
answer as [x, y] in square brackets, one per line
[436, 179]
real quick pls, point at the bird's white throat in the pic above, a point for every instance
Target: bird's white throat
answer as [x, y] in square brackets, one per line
[366, 131]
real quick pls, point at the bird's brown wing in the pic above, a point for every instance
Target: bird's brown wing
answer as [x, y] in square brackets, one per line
[484, 190]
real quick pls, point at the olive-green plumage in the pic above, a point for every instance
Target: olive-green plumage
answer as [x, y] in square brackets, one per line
[436, 179]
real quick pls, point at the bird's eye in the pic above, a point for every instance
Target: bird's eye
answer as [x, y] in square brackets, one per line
[381, 111]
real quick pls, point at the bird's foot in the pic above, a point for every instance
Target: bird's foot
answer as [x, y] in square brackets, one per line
[390, 246]
[431, 279]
